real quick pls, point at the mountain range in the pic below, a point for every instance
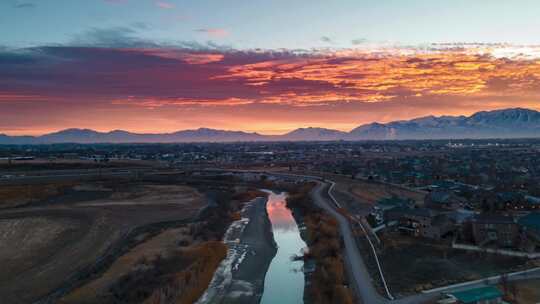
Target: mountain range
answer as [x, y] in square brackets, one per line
[507, 123]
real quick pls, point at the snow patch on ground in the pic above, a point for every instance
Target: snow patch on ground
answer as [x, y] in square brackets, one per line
[222, 283]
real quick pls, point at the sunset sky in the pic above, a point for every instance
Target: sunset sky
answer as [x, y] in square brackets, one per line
[264, 66]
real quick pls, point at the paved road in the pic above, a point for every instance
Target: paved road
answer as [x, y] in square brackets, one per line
[361, 278]
[357, 269]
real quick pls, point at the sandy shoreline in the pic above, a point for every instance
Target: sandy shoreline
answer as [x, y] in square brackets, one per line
[240, 277]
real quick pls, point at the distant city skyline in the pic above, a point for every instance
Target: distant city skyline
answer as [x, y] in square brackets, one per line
[260, 66]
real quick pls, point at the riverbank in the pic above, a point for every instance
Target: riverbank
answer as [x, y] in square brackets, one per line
[325, 280]
[309, 263]
[251, 248]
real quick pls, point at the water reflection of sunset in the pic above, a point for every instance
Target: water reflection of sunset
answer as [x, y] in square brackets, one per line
[278, 213]
[284, 283]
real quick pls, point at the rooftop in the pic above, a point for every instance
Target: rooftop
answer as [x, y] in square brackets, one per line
[531, 221]
[493, 219]
[423, 212]
[478, 294]
[394, 202]
[439, 196]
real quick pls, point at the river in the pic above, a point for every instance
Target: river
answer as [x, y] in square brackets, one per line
[284, 281]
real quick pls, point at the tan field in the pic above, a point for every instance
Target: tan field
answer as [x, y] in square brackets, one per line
[18, 195]
[57, 239]
[528, 292]
[164, 243]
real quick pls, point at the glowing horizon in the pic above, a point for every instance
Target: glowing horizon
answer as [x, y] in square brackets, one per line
[137, 71]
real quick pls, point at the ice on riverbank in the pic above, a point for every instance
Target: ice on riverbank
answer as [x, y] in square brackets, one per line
[227, 284]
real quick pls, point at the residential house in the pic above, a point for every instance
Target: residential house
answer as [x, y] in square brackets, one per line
[382, 207]
[421, 222]
[494, 228]
[533, 202]
[512, 200]
[443, 200]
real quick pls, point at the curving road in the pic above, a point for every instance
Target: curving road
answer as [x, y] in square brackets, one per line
[361, 279]
[356, 268]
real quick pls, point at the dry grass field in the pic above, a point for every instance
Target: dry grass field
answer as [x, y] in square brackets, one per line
[59, 238]
[18, 195]
[371, 192]
[190, 269]
[21, 243]
[528, 292]
[411, 266]
[58, 164]
[161, 244]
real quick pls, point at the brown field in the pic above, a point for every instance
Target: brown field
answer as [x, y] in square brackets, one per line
[18, 195]
[528, 292]
[371, 192]
[56, 240]
[248, 195]
[411, 264]
[162, 243]
[150, 195]
[22, 244]
[190, 282]
[57, 164]
[198, 261]
[357, 196]
[368, 192]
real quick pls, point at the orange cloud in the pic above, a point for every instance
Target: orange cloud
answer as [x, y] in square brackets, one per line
[273, 91]
[197, 58]
[306, 99]
[189, 57]
[375, 77]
